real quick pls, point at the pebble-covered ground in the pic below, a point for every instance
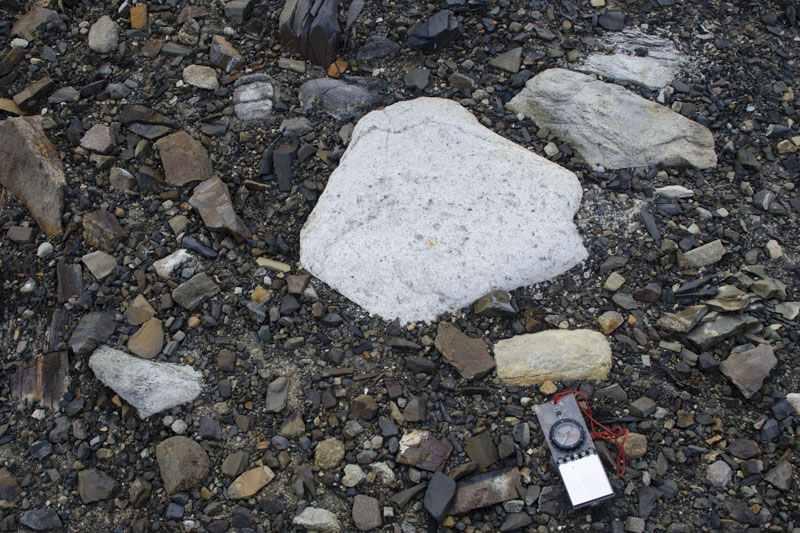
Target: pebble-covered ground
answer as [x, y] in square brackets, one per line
[308, 404]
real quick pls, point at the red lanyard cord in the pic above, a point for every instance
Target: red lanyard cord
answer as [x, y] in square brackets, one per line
[603, 433]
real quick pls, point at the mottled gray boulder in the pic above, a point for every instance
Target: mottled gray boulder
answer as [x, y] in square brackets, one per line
[429, 210]
[149, 386]
[343, 98]
[612, 127]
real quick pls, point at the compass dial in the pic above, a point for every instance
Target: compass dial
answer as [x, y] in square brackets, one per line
[567, 434]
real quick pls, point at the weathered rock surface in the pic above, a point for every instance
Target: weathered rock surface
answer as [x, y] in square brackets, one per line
[311, 28]
[316, 519]
[342, 98]
[104, 35]
[95, 485]
[213, 201]
[191, 293]
[185, 160]
[102, 229]
[183, 463]
[252, 97]
[486, 489]
[148, 386]
[469, 356]
[610, 126]
[249, 483]
[748, 369]
[148, 339]
[93, 329]
[35, 19]
[553, 355]
[410, 192]
[30, 168]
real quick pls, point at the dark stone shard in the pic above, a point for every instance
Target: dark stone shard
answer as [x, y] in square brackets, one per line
[515, 521]
[311, 28]
[376, 47]
[192, 244]
[402, 498]
[494, 304]
[70, 280]
[648, 496]
[149, 131]
[741, 512]
[612, 20]
[103, 230]
[95, 485]
[439, 494]
[46, 379]
[33, 21]
[650, 224]
[282, 160]
[743, 449]
[289, 305]
[482, 449]
[92, 330]
[486, 489]
[10, 60]
[136, 113]
[420, 364]
[41, 519]
[10, 490]
[435, 33]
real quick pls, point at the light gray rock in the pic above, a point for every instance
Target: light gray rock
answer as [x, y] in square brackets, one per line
[719, 474]
[148, 386]
[104, 35]
[610, 126]
[316, 519]
[794, 399]
[253, 100]
[705, 255]
[165, 266]
[201, 76]
[99, 263]
[655, 70]
[748, 369]
[342, 99]
[442, 212]
[715, 331]
[552, 355]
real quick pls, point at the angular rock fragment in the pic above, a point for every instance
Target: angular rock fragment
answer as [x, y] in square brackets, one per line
[469, 356]
[366, 513]
[70, 280]
[166, 265]
[705, 255]
[729, 299]
[376, 47]
[102, 229]
[10, 490]
[30, 96]
[482, 449]
[711, 333]
[553, 355]
[93, 329]
[421, 449]
[191, 293]
[185, 160]
[342, 98]
[435, 33]
[201, 76]
[486, 489]
[439, 494]
[183, 463]
[31, 170]
[41, 519]
[100, 138]
[149, 386]
[249, 483]
[684, 320]
[316, 519]
[139, 311]
[139, 114]
[148, 339]
[749, 368]
[34, 20]
[100, 264]
[95, 485]
[104, 35]
[509, 61]
[45, 380]
[252, 97]
[610, 126]
[494, 304]
[223, 54]
[213, 201]
[410, 192]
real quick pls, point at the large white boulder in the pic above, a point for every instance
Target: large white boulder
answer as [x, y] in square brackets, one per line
[429, 210]
[611, 127]
[148, 386]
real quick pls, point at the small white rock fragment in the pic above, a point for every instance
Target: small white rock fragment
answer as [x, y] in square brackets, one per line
[674, 191]
[165, 266]
[774, 249]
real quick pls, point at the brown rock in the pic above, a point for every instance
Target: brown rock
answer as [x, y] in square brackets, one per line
[183, 463]
[34, 93]
[9, 106]
[100, 138]
[152, 48]
[421, 449]
[140, 311]
[610, 321]
[297, 284]
[212, 201]
[487, 489]
[45, 380]
[20, 234]
[482, 449]
[184, 159]
[139, 17]
[635, 446]
[70, 280]
[10, 60]
[364, 407]
[33, 20]
[249, 483]
[748, 369]
[469, 356]
[102, 229]
[31, 170]
[223, 54]
[148, 340]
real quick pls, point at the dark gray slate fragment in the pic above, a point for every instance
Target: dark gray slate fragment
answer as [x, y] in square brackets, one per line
[376, 47]
[41, 519]
[282, 160]
[440, 493]
[189, 295]
[92, 330]
[435, 33]
[343, 98]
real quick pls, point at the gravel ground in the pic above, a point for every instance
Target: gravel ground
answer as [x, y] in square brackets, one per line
[705, 455]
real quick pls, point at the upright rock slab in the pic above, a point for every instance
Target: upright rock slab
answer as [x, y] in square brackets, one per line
[213, 201]
[442, 211]
[610, 126]
[31, 170]
[553, 355]
[311, 28]
[148, 386]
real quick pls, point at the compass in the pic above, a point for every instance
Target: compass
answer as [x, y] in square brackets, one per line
[567, 434]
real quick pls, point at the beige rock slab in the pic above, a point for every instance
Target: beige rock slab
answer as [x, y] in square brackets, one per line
[553, 355]
[250, 482]
[148, 340]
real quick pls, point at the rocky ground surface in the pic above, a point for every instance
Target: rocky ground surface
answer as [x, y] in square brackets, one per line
[169, 364]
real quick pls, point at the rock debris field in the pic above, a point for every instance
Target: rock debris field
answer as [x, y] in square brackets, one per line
[309, 265]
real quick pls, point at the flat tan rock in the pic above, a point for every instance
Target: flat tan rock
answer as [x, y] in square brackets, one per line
[139, 311]
[249, 483]
[553, 355]
[469, 356]
[148, 340]
[185, 160]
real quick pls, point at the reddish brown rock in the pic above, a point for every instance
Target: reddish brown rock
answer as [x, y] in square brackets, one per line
[102, 229]
[421, 449]
[44, 380]
[139, 17]
[139, 312]
[31, 170]
[212, 201]
[184, 159]
[469, 356]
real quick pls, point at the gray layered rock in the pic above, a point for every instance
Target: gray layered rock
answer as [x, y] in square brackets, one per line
[343, 98]
[31, 170]
[654, 70]
[253, 96]
[610, 126]
[441, 210]
[311, 28]
[148, 386]
[191, 293]
[553, 355]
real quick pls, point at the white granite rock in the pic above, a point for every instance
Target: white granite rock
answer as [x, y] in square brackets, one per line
[148, 386]
[611, 127]
[553, 355]
[428, 210]
[655, 70]
[316, 519]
